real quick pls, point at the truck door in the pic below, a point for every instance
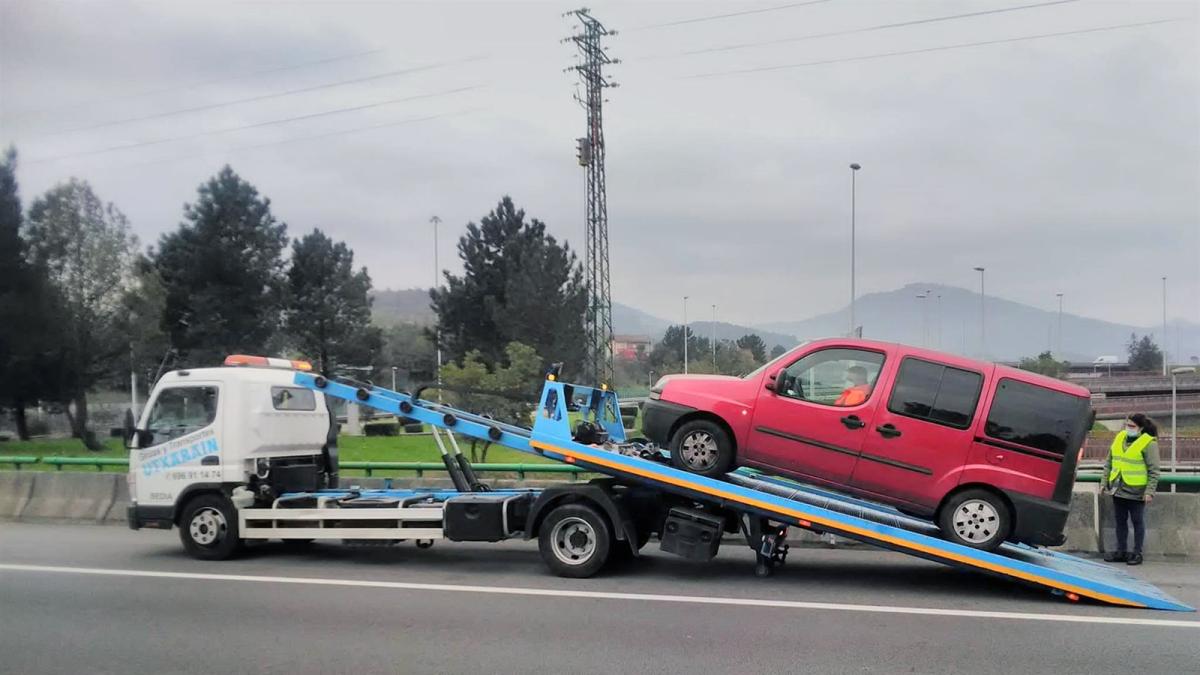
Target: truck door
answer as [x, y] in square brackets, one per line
[919, 440]
[813, 423]
[179, 444]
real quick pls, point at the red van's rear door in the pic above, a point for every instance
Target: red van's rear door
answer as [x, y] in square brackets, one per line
[919, 440]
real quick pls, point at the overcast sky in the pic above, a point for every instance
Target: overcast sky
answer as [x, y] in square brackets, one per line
[1063, 164]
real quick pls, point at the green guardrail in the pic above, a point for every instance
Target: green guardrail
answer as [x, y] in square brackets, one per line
[99, 462]
[1163, 478]
[421, 467]
[18, 460]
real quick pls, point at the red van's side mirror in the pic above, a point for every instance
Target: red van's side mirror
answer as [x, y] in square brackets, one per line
[771, 381]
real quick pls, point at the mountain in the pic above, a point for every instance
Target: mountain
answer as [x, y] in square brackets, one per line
[1014, 330]
[630, 321]
[410, 305]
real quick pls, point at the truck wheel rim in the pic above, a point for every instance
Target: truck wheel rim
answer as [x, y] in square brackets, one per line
[574, 541]
[208, 526]
[976, 521]
[699, 450]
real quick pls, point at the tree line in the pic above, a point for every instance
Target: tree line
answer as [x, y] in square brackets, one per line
[83, 304]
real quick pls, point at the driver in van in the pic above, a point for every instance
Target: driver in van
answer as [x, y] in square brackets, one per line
[858, 390]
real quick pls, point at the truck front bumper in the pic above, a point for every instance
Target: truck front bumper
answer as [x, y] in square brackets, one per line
[159, 517]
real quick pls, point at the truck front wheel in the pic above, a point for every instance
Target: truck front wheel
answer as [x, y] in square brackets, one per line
[209, 528]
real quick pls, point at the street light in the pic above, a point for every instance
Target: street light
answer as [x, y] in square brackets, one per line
[1175, 373]
[714, 338]
[437, 283]
[924, 321]
[685, 334]
[1164, 333]
[1058, 350]
[853, 205]
[939, 321]
[982, 317]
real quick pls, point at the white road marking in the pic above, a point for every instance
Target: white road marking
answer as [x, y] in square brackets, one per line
[606, 595]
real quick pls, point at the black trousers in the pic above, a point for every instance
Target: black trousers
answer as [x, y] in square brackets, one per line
[1127, 510]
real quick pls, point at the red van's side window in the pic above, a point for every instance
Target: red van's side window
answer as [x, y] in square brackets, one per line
[935, 393]
[1034, 416]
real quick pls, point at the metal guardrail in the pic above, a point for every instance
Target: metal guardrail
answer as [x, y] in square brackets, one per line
[18, 460]
[419, 468]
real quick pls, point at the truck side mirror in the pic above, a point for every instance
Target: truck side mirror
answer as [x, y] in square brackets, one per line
[128, 429]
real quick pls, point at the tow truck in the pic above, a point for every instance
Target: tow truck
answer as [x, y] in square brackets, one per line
[248, 452]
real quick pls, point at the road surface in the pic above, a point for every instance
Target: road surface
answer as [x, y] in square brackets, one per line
[85, 599]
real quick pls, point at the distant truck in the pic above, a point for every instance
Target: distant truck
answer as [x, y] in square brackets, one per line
[986, 451]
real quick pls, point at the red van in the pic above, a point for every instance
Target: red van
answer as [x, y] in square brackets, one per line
[986, 451]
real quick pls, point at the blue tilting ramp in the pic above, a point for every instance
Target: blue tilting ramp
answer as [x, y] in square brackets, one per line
[778, 500]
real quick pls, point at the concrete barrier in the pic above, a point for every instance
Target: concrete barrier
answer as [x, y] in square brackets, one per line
[1173, 519]
[1172, 525]
[71, 497]
[15, 489]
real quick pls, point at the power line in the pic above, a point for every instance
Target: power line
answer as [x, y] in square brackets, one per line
[337, 111]
[714, 17]
[299, 139]
[964, 45]
[866, 29]
[204, 83]
[263, 97]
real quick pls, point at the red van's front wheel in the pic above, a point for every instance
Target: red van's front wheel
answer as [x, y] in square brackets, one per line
[702, 447]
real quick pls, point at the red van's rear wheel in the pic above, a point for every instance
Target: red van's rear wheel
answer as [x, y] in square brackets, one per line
[976, 518]
[702, 447]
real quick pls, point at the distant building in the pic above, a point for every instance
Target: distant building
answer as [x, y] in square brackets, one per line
[630, 346]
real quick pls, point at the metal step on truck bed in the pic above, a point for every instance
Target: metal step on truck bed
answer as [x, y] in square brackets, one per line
[756, 497]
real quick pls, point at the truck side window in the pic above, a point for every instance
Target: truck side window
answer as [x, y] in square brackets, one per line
[293, 398]
[179, 411]
[936, 393]
[834, 377]
[1034, 416]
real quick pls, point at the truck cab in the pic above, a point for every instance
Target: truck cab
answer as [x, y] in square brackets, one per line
[986, 451]
[208, 432]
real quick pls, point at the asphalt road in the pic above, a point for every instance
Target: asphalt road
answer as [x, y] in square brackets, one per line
[108, 600]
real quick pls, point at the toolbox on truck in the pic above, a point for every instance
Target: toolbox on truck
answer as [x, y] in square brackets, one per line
[483, 516]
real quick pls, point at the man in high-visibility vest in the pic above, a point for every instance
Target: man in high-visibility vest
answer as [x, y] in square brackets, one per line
[1131, 477]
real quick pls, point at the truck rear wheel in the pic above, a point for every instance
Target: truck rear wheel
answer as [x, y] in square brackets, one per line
[209, 528]
[575, 540]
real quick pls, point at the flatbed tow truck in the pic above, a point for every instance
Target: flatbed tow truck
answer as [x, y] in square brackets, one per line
[580, 528]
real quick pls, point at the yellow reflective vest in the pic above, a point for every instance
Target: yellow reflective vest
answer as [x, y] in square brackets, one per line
[1129, 463]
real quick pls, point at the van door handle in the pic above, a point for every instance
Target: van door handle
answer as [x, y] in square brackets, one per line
[852, 422]
[888, 431]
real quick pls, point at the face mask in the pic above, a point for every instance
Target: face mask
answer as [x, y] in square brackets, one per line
[1133, 433]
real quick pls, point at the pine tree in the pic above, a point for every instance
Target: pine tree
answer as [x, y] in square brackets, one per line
[328, 315]
[223, 271]
[518, 285]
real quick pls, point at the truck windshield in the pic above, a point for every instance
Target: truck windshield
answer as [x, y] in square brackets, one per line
[181, 410]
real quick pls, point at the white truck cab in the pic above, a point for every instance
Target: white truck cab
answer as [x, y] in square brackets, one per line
[243, 433]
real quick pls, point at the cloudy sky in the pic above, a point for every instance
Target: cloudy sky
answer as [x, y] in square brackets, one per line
[1066, 163]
